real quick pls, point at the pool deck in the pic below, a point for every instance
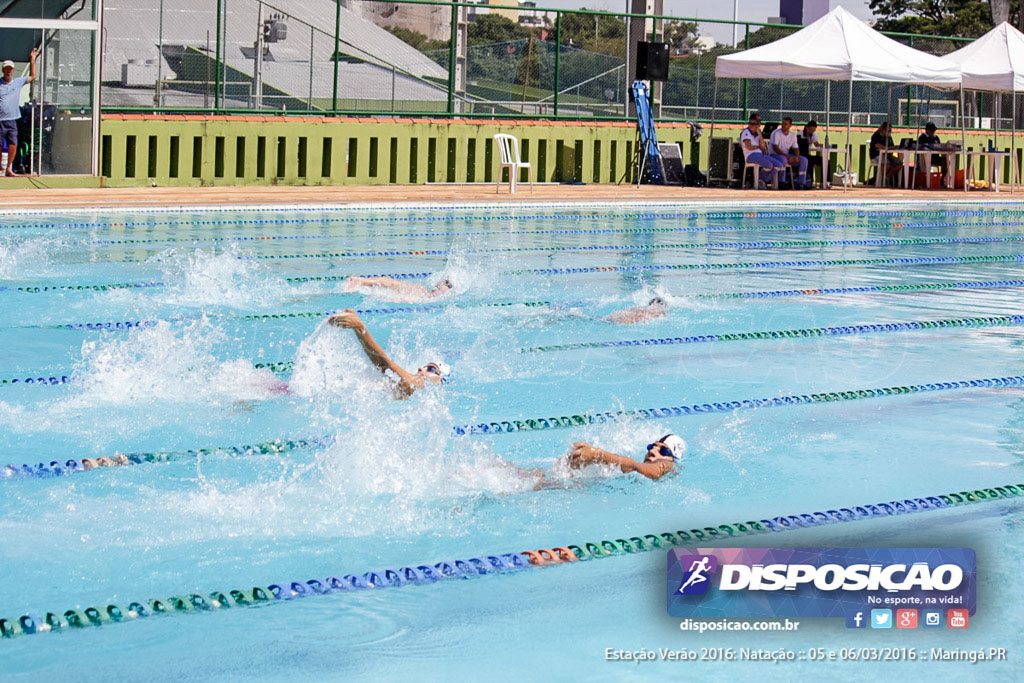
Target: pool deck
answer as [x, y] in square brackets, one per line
[452, 194]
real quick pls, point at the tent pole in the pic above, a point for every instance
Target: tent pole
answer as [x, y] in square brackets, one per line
[711, 135]
[828, 108]
[963, 140]
[849, 121]
[1013, 142]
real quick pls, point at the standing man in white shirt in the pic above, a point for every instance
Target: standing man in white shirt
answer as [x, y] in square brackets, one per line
[784, 148]
[10, 109]
[755, 151]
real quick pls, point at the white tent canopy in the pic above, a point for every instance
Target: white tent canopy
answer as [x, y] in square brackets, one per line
[993, 62]
[839, 47]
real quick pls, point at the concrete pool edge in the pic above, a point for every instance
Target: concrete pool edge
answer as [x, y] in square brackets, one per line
[173, 202]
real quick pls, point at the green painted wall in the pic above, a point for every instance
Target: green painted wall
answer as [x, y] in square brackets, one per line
[225, 151]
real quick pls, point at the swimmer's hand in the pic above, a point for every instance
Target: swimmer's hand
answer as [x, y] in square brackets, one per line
[582, 454]
[347, 319]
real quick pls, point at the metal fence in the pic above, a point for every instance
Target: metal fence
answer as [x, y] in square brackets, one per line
[374, 57]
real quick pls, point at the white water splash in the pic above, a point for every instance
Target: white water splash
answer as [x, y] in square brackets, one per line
[25, 258]
[220, 278]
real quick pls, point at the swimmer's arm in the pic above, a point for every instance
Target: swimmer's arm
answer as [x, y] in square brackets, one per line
[652, 470]
[377, 355]
[584, 454]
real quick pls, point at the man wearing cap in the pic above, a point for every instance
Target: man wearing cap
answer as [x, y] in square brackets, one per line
[660, 459]
[10, 109]
[408, 382]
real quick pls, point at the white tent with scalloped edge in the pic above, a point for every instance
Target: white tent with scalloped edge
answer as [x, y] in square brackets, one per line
[995, 63]
[839, 47]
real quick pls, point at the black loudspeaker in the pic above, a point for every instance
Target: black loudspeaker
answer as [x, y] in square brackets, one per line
[651, 61]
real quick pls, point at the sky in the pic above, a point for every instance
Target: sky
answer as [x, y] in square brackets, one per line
[749, 10]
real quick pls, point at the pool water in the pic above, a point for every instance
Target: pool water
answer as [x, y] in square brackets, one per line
[157, 328]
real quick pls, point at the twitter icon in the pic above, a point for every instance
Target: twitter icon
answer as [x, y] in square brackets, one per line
[881, 618]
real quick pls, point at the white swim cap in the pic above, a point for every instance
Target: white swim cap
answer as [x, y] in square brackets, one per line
[445, 370]
[675, 444]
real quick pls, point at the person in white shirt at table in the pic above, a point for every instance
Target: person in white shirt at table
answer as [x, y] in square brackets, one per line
[785, 149]
[809, 141]
[755, 151]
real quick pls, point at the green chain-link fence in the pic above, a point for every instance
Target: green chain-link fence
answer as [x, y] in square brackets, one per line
[366, 56]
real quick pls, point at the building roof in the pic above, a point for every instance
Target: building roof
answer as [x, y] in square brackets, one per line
[133, 34]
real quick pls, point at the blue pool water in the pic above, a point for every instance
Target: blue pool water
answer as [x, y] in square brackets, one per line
[166, 362]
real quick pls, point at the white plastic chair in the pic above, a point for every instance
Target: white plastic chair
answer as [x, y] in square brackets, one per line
[508, 151]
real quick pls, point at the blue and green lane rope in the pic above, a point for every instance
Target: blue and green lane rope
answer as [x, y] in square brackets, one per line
[496, 564]
[904, 261]
[756, 265]
[592, 418]
[54, 469]
[833, 331]
[491, 216]
[648, 247]
[278, 367]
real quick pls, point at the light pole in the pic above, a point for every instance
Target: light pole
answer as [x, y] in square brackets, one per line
[735, 18]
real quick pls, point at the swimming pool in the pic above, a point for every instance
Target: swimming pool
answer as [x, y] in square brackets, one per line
[160, 335]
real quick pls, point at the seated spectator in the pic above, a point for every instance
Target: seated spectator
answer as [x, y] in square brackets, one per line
[808, 141]
[786, 150]
[929, 140]
[882, 140]
[755, 151]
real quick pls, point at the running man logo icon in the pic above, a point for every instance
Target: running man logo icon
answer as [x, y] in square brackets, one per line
[697, 577]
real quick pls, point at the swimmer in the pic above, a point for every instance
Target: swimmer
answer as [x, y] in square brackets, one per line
[408, 382]
[406, 290]
[660, 459]
[654, 309]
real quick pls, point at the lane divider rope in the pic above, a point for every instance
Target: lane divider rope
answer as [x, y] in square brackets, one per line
[434, 308]
[56, 468]
[496, 564]
[835, 330]
[758, 265]
[37, 289]
[755, 265]
[485, 217]
[784, 227]
[829, 263]
[489, 217]
[582, 420]
[880, 242]
[832, 331]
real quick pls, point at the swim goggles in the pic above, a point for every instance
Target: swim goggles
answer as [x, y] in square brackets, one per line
[663, 450]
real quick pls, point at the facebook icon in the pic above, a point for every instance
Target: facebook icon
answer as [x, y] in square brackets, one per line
[856, 620]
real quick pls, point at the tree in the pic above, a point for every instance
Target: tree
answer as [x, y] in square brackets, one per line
[592, 32]
[416, 39]
[494, 28]
[681, 35]
[961, 18]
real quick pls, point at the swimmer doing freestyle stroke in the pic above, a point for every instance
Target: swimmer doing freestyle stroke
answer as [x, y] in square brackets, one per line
[408, 290]
[655, 308]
